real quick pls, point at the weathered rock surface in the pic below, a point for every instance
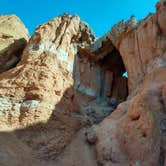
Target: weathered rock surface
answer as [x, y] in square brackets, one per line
[60, 36]
[13, 39]
[44, 74]
[134, 134]
[67, 79]
[38, 93]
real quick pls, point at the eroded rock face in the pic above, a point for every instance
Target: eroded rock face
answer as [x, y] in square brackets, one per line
[13, 39]
[99, 73]
[60, 36]
[67, 79]
[45, 70]
[134, 133]
[38, 93]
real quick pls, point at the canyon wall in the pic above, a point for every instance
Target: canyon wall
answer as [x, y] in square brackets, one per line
[68, 87]
[134, 134]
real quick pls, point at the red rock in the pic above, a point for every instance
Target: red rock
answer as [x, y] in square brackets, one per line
[66, 80]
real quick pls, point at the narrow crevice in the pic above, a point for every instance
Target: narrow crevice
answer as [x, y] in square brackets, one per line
[12, 55]
[161, 157]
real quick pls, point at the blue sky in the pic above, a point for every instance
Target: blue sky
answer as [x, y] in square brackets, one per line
[101, 15]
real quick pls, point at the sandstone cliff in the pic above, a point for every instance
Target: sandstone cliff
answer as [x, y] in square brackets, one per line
[67, 101]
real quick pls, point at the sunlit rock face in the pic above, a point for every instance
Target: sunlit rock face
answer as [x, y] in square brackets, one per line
[68, 79]
[13, 39]
[60, 36]
[45, 70]
[39, 91]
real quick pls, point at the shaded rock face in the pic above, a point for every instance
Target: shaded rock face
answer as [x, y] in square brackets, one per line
[13, 39]
[99, 74]
[67, 79]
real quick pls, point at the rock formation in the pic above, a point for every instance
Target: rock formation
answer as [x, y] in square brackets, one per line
[13, 38]
[134, 134]
[67, 101]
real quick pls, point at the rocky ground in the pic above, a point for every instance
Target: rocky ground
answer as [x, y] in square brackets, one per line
[65, 99]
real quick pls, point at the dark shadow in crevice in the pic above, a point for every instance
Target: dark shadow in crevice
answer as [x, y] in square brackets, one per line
[109, 87]
[114, 84]
[11, 55]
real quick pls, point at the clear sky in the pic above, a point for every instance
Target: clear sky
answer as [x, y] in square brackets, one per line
[101, 15]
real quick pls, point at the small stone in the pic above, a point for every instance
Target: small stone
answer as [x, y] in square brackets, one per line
[91, 135]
